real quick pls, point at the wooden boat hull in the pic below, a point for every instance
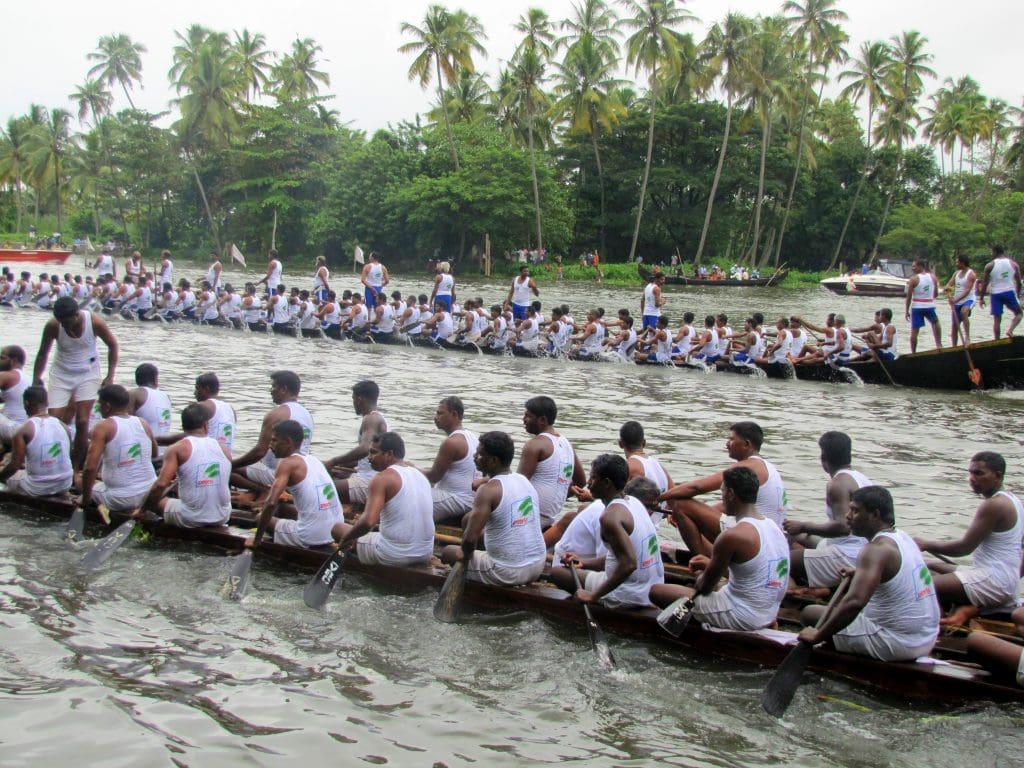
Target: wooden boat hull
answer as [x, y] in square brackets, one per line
[757, 282]
[945, 683]
[34, 255]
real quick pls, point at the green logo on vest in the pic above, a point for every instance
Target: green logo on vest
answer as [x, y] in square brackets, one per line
[567, 471]
[652, 545]
[925, 576]
[328, 491]
[782, 568]
[54, 451]
[134, 451]
[225, 430]
[212, 470]
[165, 414]
[306, 434]
[525, 508]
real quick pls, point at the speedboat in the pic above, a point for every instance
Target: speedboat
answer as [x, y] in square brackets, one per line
[888, 279]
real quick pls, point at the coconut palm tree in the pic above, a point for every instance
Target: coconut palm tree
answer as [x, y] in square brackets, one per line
[47, 144]
[296, 76]
[92, 98]
[654, 43]
[250, 56]
[14, 159]
[185, 53]
[443, 45]
[118, 60]
[467, 99]
[537, 32]
[727, 48]
[592, 21]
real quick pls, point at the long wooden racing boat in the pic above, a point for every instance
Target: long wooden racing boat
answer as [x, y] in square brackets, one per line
[34, 255]
[936, 680]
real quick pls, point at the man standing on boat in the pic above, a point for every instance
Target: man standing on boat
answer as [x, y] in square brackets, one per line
[105, 265]
[259, 463]
[444, 287]
[828, 548]
[960, 290]
[374, 277]
[548, 460]
[994, 536]
[889, 611]
[40, 461]
[321, 284]
[213, 273]
[753, 554]
[355, 465]
[75, 373]
[922, 289]
[1002, 281]
[519, 294]
[398, 500]
[652, 301]
[453, 470]
[13, 383]
[699, 523]
[505, 518]
[275, 273]
[201, 467]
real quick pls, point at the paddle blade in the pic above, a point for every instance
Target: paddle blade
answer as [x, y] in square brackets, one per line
[675, 618]
[238, 580]
[319, 588]
[105, 547]
[975, 376]
[780, 689]
[73, 533]
[446, 608]
[605, 658]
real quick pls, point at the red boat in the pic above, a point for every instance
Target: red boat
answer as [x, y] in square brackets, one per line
[34, 255]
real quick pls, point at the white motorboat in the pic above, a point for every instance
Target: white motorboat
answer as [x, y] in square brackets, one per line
[889, 279]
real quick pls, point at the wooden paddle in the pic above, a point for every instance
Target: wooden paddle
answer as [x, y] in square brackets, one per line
[446, 608]
[780, 689]
[974, 374]
[105, 547]
[597, 639]
[73, 533]
[675, 618]
[319, 588]
[238, 579]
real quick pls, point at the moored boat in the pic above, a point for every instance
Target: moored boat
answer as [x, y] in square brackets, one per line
[726, 282]
[889, 279]
[943, 678]
[34, 255]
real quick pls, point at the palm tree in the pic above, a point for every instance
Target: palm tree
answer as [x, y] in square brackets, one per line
[443, 45]
[249, 55]
[92, 98]
[119, 60]
[14, 159]
[296, 76]
[816, 25]
[655, 42]
[537, 34]
[185, 54]
[47, 144]
[85, 166]
[467, 99]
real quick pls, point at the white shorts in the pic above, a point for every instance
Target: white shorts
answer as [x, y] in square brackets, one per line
[8, 428]
[983, 588]
[370, 552]
[867, 638]
[83, 387]
[594, 580]
[448, 505]
[823, 563]
[20, 482]
[285, 533]
[119, 499]
[358, 488]
[483, 568]
[176, 513]
[260, 473]
[719, 610]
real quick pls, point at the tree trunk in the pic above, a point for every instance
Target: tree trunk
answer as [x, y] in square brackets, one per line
[128, 95]
[206, 205]
[647, 164]
[20, 203]
[533, 175]
[888, 204]
[796, 170]
[56, 186]
[600, 179]
[849, 215]
[714, 183]
[765, 127]
[444, 111]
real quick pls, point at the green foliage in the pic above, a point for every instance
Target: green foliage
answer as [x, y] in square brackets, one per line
[933, 234]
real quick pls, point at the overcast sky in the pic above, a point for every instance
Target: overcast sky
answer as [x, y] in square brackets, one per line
[45, 49]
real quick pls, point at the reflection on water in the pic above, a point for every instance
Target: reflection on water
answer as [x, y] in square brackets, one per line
[142, 663]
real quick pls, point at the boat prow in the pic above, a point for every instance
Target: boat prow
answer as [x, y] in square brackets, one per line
[34, 255]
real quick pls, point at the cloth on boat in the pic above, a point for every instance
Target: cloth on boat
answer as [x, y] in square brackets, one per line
[482, 568]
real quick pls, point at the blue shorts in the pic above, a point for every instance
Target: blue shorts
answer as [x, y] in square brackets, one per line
[740, 357]
[519, 311]
[958, 309]
[649, 321]
[446, 300]
[320, 294]
[371, 295]
[1005, 299]
[885, 354]
[918, 316]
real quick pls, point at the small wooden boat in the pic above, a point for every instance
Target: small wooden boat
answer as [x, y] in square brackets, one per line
[942, 678]
[34, 255]
[754, 282]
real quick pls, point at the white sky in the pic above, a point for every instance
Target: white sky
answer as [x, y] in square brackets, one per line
[44, 51]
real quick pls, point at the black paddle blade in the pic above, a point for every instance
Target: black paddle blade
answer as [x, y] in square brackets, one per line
[675, 618]
[73, 533]
[319, 588]
[597, 639]
[238, 580]
[105, 547]
[446, 608]
[780, 689]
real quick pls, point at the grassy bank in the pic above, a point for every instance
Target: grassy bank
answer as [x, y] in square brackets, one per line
[623, 274]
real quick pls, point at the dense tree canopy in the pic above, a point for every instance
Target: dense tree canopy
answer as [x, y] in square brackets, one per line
[721, 149]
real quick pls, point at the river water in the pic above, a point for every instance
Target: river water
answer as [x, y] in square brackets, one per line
[144, 664]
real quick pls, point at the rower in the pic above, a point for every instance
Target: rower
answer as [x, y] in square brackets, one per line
[201, 468]
[374, 277]
[883, 342]
[40, 460]
[1001, 655]
[277, 309]
[684, 339]
[548, 460]
[922, 289]
[354, 466]
[994, 536]
[453, 470]
[444, 286]
[700, 523]
[321, 285]
[633, 444]
[558, 333]
[746, 348]
[527, 332]
[398, 500]
[827, 345]
[275, 273]
[828, 548]
[889, 611]
[519, 294]
[706, 348]
[330, 317]
[505, 517]
[358, 321]
[960, 290]
[75, 374]
[251, 307]
[309, 321]
[125, 447]
[782, 347]
[166, 274]
[591, 339]
[13, 383]
[652, 301]
[260, 462]
[631, 565]
[221, 416]
[624, 342]
[497, 333]
[753, 554]
[658, 343]
[150, 403]
[317, 507]
[1002, 279]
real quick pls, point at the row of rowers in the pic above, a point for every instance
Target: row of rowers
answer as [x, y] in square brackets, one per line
[510, 518]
